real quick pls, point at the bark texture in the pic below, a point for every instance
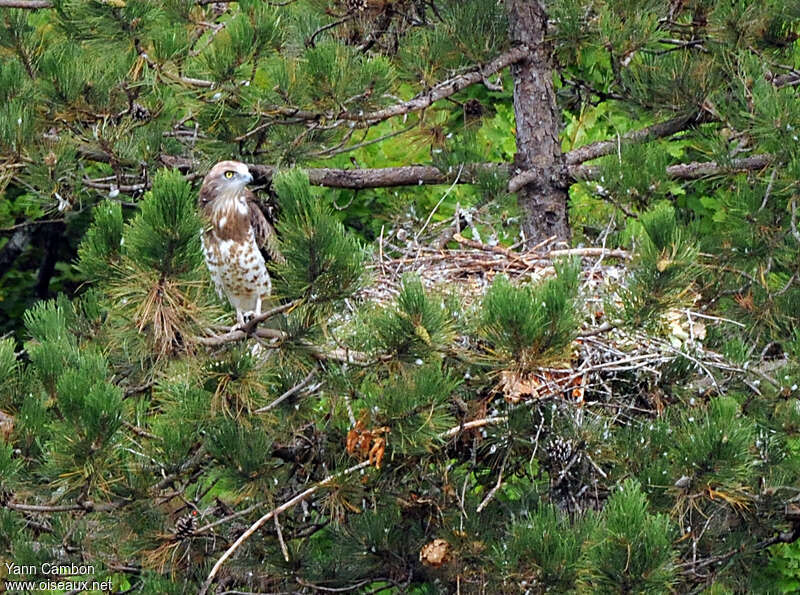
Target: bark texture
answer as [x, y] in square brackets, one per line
[543, 199]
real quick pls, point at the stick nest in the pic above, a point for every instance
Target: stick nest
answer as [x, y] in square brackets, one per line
[603, 353]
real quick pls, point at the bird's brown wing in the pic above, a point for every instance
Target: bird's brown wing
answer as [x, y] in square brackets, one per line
[266, 238]
[207, 192]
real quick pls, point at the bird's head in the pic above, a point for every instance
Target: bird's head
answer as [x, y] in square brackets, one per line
[231, 173]
[228, 178]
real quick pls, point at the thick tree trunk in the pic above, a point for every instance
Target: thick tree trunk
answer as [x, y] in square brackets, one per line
[544, 200]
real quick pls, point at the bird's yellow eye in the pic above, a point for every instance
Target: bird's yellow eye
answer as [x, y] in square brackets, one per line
[229, 174]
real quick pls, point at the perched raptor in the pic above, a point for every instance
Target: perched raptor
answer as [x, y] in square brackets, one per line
[236, 232]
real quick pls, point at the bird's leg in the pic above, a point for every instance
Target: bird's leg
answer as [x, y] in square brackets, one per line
[239, 321]
[248, 316]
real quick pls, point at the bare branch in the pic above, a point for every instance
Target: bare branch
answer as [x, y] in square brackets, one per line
[790, 79]
[689, 171]
[526, 256]
[606, 147]
[85, 505]
[443, 89]
[238, 335]
[418, 175]
[26, 4]
[292, 391]
[439, 91]
[272, 513]
[697, 170]
[387, 177]
[310, 41]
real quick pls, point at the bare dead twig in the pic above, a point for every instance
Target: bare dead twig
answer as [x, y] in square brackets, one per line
[283, 507]
[289, 393]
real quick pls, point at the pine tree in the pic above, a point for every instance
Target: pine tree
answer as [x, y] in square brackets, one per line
[620, 417]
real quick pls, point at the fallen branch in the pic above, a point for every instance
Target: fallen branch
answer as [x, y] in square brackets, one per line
[550, 254]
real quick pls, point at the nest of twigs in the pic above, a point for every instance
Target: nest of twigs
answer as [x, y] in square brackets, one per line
[610, 371]
[602, 353]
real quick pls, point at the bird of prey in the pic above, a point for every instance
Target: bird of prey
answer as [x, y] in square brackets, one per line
[235, 234]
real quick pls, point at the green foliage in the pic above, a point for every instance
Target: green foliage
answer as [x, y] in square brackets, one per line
[338, 71]
[90, 408]
[530, 324]
[663, 271]
[415, 405]
[8, 360]
[243, 450]
[170, 42]
[544, 547]
[785, 566]
[185, 413]
[631, 551]
[323, 262]
[716, 450]
[416, 327]
[9, 467]
[115, 408]
[102, 243]
[165, 234]
[52, 345]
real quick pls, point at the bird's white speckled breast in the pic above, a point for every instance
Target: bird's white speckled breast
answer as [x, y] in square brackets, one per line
[237, 269]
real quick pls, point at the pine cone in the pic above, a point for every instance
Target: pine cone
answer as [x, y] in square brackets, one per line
[473, 109]
[185, 526]
[139, 112]
[560, 451]
[355, 5]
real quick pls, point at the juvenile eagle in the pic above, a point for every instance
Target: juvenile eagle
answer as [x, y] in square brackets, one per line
[236, 232]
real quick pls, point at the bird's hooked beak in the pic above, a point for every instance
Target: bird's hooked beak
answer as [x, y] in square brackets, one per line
[248, 178]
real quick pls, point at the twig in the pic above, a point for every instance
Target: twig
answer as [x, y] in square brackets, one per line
[603, 328]
[284, 549]
[795, 233]
[347, 589]
[238, 335]
[497, 485]
[249, 328]
[475, 423]
[769, 189]
[228, 518]
[589, 252]
[133, 390]
[441, 200]
[283, 507]
[291, 392]
[26, 4]
[139, 431]
[310, 40]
